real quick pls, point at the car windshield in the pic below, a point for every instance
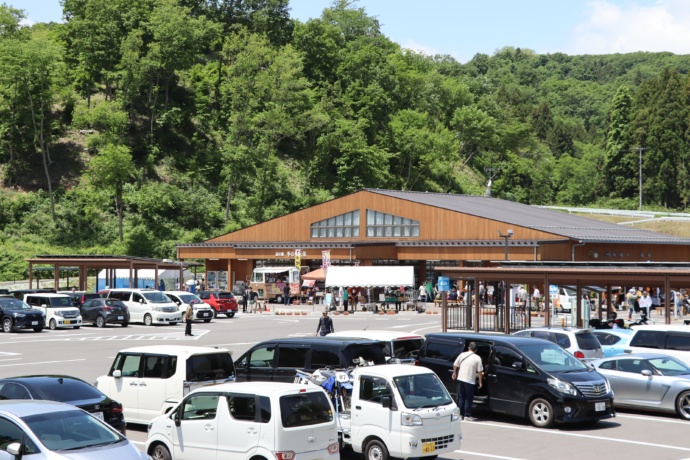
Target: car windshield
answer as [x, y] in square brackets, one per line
[189, 298]
[115, 303]
[12, 304]
[669, 366]
[423, 390]
[552, 358]
[156, 297]
[59, 302]
[70, 430]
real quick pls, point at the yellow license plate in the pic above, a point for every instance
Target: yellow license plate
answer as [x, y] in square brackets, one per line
[428, 447]
[68, 322]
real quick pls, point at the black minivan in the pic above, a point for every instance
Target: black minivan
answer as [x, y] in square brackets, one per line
[525, 377]
[277, 360]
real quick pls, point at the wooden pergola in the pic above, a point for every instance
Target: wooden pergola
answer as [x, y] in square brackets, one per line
[668, 276]
[110, 263]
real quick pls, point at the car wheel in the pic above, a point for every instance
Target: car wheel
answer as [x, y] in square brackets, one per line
[100, 321]
[52, 324]
[38, 329]
[7, 325]
[125, 324]
[160, 452]
[375, 450]
[541, 413]
[148, 320]
[683, 405]
[207, 320]
[230, 314]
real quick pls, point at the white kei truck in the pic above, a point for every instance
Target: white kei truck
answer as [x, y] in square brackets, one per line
[393, 410]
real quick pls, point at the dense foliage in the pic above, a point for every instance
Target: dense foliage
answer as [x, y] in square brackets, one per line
[136, 125]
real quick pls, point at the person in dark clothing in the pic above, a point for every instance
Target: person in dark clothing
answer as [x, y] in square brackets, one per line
[286, 293]
[245, 299]
[188, 316]
[325, 326]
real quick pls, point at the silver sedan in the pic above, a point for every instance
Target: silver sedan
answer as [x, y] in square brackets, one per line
[648, 381]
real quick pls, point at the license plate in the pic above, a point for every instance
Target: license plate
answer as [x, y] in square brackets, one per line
[34, 323]
[600, 406]
[98, 415]
[68, 322]
[428, 447]
[120, 318]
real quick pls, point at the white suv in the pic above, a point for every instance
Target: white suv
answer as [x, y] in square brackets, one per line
[581, 343]
[59, 309]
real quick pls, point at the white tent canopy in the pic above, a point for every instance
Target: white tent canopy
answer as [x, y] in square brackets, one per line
[378, 276]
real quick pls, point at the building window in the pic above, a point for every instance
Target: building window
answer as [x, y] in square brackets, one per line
[342, 226]
[382, 225]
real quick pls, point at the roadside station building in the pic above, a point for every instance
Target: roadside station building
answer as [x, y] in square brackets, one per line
[427, 231]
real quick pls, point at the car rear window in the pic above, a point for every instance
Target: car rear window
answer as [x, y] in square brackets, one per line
[115, 303]
[587, 341]
[211, 366]
[66, 390]
[649, 339]
[607, 339]
[225, 295]
[305, 409]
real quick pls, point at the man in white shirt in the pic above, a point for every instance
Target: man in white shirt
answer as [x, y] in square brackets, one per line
[536, 296]
[645, 302]
[466, 368]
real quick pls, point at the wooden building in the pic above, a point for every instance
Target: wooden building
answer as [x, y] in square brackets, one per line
[427, 230]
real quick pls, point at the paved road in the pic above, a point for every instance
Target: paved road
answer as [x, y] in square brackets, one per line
[88, 352]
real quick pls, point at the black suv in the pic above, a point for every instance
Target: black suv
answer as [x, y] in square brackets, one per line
[526, 377]
[15, 314]
[277, 360]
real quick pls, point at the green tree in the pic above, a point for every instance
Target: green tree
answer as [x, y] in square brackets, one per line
[619, 166]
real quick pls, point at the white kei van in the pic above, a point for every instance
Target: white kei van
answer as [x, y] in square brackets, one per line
[150, 380]
[148, 306]
[249, 420]
[59, 309]
[672, 340]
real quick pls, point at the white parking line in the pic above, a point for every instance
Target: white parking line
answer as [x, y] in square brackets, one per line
[42, 362]
[652, 419]
[587, 436]
[466, 452]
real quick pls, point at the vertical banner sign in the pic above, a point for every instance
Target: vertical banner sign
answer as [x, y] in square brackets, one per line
[325, 260]
[298, 258]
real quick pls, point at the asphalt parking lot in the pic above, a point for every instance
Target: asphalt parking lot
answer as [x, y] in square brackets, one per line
[88, 352]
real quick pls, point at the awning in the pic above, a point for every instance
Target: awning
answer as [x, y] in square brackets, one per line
[317, 275]
[308, 283]
[273, 269]
[378, 276]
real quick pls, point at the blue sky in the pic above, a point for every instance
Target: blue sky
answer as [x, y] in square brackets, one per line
[463, 28]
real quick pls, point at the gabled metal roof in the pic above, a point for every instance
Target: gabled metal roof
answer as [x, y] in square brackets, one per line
[546, 220]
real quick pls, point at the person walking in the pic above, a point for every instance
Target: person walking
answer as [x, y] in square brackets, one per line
[245, 299]
[466, 369]
[645, 303]
[188, 316]
[325, 326]
[536, 296]
[630, 299]
[286, 293]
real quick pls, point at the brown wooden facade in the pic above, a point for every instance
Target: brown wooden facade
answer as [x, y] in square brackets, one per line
[444, 235]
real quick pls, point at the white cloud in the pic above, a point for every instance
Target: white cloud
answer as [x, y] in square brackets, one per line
[428, 50]
[612, 29]
[26, 22]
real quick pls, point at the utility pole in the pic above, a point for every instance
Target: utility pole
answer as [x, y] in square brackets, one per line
[640, 150]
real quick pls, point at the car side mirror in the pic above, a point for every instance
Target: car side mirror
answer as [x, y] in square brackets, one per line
[386, 401]
[176, 418]
[517, 365]
[117, 373]
[14, 449]
[646, 372]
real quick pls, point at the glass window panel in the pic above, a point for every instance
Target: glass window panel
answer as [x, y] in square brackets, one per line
[338, 232]
[370, 231]
[397, 231]
[397, 220]
[347, 232]
[388, 218]
[415, 222]
[331, 222]
[355, 218]
[406, 231]
[415, 230]
[355, 232]
[406, 221]
[348, 218]
[322, 223]
[389, 231]
[331, 233]
[322, 232]
[371, 217]
[379, 231]
[339, 221]
[314, 232]
[379, 218]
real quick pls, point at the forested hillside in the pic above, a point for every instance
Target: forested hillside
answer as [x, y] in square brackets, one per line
[136, 125]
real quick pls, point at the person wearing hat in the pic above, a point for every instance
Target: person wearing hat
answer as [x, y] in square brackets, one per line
[630, 299]
[325, 326]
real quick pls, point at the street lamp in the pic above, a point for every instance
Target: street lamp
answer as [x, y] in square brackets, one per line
[506, 236]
